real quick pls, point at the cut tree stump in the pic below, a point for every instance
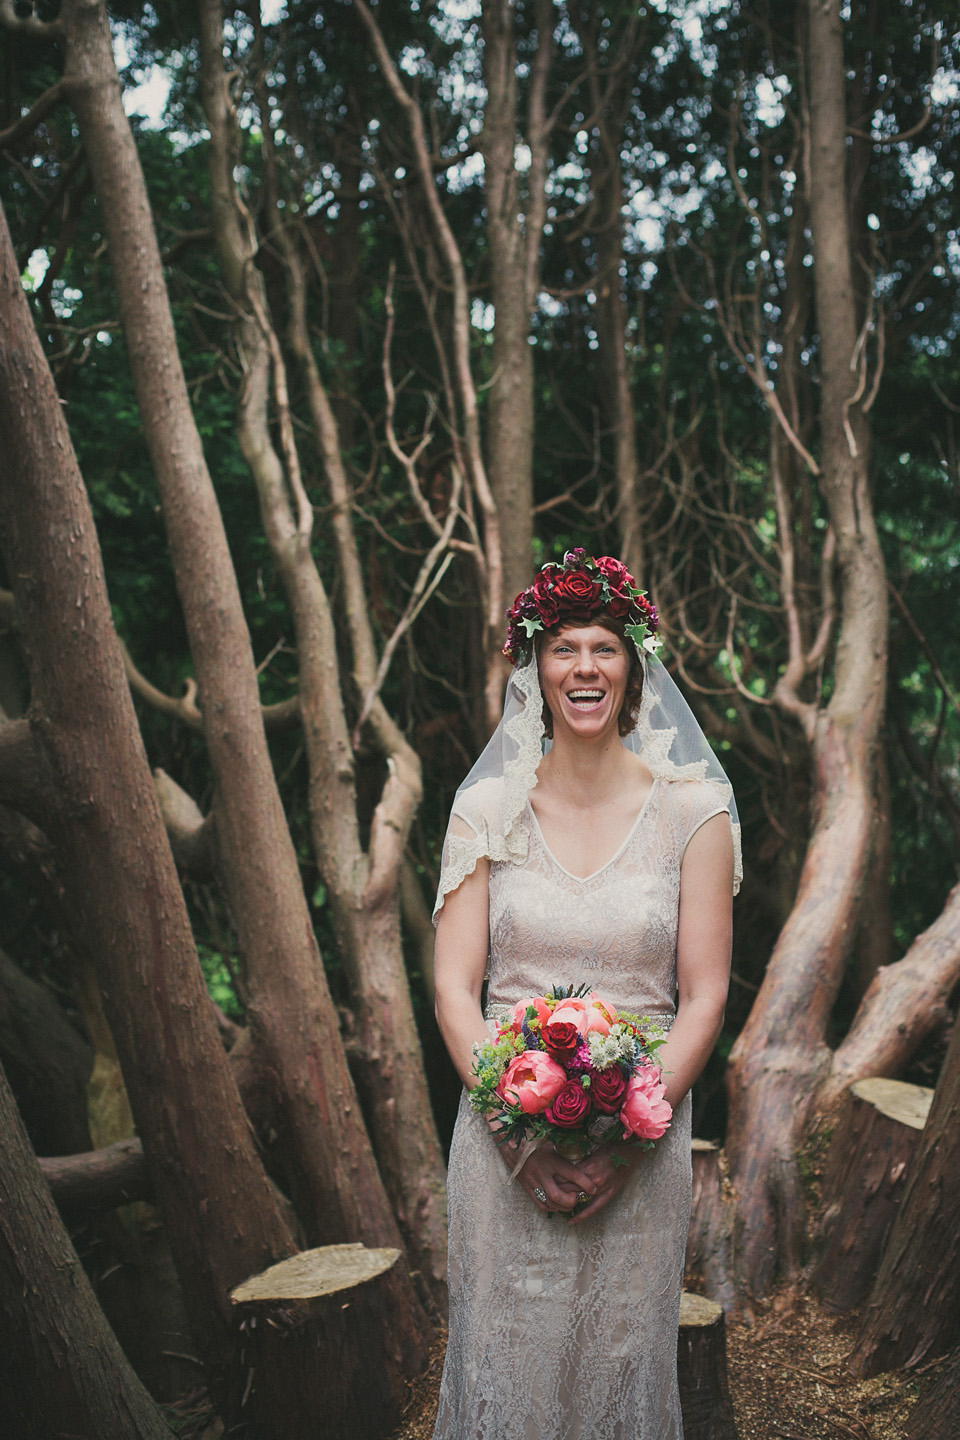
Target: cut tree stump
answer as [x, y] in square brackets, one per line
[316, 1322]
[702, 1371]
[710, 1236]
[863, 1183]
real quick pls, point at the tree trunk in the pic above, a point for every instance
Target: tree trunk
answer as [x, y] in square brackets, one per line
[710, 1237]
[863, 1184]
[781, 1057]
[91, 790]
[514, 231]
[290, 1011]
[314, 1321]
[363, 888]
[702, 1371]
[936, 1415]
[62, 1371]
[913, 1312]
[47, 1062]
[906, 1002]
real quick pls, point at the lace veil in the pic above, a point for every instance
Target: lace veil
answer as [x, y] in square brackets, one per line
[487, 817]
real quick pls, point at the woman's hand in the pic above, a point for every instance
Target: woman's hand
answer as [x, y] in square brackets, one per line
[608, 1169]
[560, 1181]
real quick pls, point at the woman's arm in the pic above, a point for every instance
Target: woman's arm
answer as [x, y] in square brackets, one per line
[704, 939]
[460, 963]
[703, 975]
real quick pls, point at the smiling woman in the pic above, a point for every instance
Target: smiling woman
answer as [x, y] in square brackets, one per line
[605, 640]
[604, 858]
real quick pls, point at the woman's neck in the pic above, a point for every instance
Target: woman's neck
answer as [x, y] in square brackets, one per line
[588, 774]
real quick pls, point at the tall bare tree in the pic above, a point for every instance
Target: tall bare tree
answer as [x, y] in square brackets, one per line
[363, 885]
[781, 1056]
[76, 765]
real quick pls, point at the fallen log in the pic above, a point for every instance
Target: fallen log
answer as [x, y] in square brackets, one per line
[314, 1322]
[99, 1179]
[702, 1371]
[864, 1179]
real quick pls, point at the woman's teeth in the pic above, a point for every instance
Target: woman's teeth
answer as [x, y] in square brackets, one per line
[585, 697]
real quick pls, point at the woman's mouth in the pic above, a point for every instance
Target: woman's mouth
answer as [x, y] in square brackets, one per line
[585, 699]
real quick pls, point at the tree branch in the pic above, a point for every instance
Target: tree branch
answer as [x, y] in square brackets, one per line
[192, 836]
[22, 780]
[99, 1179]
[38, 112]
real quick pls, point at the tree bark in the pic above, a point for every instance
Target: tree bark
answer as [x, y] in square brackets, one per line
[99, 810]
[913, 1312]
[62, 1371]
[514, 232]
[99, 1179]
[781, 1056]
[47, 1062]
[709, 1239]
[702, 1371]
[314, 1321]
[330, 1162]
[936, 1415]
[906, 1002]
[611, 83]
[863, 1184]
[362, 886]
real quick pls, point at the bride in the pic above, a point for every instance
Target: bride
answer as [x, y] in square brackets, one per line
[593, 842]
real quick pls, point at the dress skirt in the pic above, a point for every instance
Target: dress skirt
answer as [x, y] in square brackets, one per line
[563, 1332]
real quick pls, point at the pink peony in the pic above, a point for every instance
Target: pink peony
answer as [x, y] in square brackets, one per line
[598, 1018]
[597, 1002]
[571, 1105]
[644, 1112]
[572, 1012]
[532, 1081]
[543, 1010]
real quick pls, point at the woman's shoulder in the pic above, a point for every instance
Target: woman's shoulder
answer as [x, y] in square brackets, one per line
[481, 805]
[693, 802]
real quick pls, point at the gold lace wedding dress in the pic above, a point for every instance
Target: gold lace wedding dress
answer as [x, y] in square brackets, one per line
[562, 1332]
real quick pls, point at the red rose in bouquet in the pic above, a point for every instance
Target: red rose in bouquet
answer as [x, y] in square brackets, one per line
[571, 1105]
[607, 1089]
[561, 1038]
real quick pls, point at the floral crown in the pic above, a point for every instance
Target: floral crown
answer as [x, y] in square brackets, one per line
[578, 589]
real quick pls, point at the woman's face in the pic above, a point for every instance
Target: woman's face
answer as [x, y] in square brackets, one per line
[583, 678]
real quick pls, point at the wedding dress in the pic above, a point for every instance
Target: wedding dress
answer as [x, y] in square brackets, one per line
[563, 1332]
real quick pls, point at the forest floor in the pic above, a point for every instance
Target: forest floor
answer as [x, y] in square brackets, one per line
[787, 1379]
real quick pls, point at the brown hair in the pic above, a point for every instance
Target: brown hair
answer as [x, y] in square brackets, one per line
[633, 694]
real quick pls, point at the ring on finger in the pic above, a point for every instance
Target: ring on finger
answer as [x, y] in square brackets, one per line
[540, 1195]
[582, 1197]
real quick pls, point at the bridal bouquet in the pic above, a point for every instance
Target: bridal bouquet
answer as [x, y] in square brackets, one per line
[567, 1068]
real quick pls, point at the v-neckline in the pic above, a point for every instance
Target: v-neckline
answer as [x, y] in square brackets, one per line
[582, 879]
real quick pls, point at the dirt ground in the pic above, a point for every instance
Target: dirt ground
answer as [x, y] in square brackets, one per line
[787, 1380]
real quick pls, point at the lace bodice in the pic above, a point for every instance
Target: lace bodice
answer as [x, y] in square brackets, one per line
[619, 925]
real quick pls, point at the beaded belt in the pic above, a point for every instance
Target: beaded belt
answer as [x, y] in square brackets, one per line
[662, 1021]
